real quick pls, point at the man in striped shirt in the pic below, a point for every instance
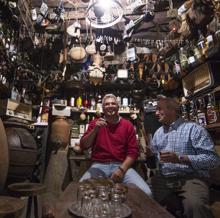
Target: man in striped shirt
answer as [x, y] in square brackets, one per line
[185, 153]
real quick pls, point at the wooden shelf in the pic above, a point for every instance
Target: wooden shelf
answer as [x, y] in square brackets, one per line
[120, 84]
[40, 124]
[75, 109]
[213, 126]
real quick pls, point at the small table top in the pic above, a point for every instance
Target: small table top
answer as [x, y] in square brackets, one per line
[141, 205]
[26, 189]
[10, 206]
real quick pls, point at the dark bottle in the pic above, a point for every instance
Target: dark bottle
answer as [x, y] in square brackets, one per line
[191, 58]
[85, 100]
[211, 110]
[201, 112]
[184, 112]
[192, 112]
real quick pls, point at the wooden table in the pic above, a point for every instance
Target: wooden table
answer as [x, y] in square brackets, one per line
[141, 205]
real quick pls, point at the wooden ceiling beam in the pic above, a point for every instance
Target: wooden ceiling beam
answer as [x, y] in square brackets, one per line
[150, 35]
[54, 3]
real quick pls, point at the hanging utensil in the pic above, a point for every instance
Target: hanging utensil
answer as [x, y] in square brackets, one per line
[91, 48]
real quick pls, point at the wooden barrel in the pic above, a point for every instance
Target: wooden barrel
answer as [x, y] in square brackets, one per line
[22, 154]
[4, 157]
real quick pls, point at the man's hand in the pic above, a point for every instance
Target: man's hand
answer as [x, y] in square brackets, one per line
[117, 175]
[169, 157]
[148, 152]
[100, 123]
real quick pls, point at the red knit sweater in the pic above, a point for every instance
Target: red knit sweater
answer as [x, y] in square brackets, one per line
[114, 142]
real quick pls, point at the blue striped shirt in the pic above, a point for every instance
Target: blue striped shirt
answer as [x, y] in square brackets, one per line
[186, 138]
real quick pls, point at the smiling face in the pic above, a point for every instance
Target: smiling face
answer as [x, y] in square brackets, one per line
[110, 107]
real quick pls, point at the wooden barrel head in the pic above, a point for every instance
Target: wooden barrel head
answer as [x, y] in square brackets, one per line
[4, 156]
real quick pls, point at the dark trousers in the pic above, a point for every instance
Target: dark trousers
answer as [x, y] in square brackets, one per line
[186, 197]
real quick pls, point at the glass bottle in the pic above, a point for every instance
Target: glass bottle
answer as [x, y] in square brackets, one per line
[209, 42]
[92, 102]
[201, 44]
[79, 101]
[131, 104]
[176, 69]
[125, 103]
[119, 100]
[198, 55]
[72, 102]
[99, 103]
[183, 58]
[45, 110]
[201, 112]
[191, 58]
[14, 93]
[88, 100]
[192, 112]
[87, 121]
[211, 110]
[85, 101]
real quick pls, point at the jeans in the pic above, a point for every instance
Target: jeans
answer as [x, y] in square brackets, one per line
[106, 170]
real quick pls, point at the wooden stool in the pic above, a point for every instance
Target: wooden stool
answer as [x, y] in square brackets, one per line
[215, 208]
[10, 207]
[30, 190]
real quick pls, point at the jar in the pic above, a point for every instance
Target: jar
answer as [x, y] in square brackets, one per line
[60, 131]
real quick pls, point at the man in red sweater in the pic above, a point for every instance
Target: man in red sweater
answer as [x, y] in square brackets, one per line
[114, 146]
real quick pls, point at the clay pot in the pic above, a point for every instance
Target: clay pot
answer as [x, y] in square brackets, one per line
[60, 132]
